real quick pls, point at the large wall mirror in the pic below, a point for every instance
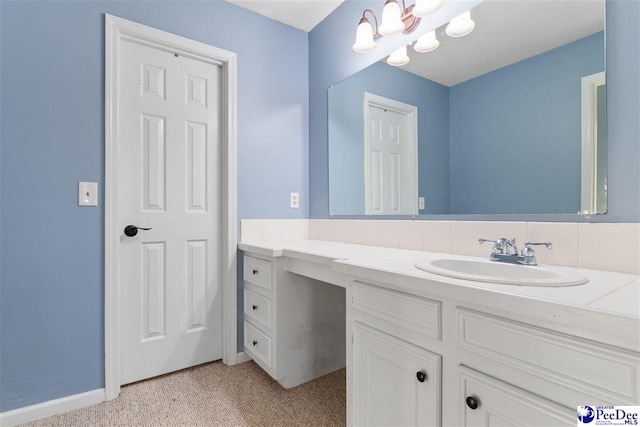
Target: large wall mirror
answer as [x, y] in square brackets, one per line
[509, 119]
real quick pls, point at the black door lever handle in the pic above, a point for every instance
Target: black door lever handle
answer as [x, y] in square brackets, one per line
[132, 230]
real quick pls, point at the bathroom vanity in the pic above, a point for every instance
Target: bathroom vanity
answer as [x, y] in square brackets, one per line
[294, 326]
[426, 349]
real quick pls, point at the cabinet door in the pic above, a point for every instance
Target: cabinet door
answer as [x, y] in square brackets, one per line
[395, 383]
[487, 401]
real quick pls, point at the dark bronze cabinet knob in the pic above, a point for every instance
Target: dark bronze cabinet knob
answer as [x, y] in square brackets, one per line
[472, 402]
[421, 376]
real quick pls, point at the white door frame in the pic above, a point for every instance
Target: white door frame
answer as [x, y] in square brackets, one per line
[117, 30]
[589, 187]
[411, 111]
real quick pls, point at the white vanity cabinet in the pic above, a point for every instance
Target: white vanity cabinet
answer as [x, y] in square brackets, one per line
[562, 368]
[294, 326]
[433, 351]
[491, 402]
[395, 383]
[479, 369]
[392, 378]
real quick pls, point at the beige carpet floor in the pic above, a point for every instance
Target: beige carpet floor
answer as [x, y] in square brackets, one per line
[216, 395]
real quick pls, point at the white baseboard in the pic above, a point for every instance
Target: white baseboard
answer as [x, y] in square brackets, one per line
[51, 407]
[65, 404]
[242, 357]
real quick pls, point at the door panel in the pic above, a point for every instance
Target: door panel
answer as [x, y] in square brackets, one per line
[197, 166]
[169, 180]
[389, 162]
[386, 388]
[153, 290]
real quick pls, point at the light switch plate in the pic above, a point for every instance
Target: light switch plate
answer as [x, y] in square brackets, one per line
[420, 202]
[88, 194]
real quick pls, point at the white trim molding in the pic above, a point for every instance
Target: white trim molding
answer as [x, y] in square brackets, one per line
[242, 357]
[51, 407]
[589, 187]
[117, 30]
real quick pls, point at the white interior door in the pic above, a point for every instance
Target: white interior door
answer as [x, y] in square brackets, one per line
[390, 158]
[168, 180]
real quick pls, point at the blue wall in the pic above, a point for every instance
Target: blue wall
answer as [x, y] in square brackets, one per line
[516, 138]
[346, 175]
[52, 134]
[332, 60]
[623, 109]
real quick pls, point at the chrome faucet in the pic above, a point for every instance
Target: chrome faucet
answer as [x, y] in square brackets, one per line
[501, 246]
[529, 255]
[505, 250]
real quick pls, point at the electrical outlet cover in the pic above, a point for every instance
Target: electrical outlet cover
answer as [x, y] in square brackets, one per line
[295, 200]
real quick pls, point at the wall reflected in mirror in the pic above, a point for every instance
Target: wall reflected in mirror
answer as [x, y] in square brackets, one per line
[500, 116]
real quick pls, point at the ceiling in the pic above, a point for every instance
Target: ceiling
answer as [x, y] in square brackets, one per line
[506, 32]
[301, 14]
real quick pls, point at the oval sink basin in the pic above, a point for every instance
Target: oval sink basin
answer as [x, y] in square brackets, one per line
[502, 273]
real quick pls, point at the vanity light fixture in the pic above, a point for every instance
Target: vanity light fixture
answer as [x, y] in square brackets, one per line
[394, 21]
[364, 33]
[427, 43]
[461, 25]
[398, 57]
[391, 19]
[423, 8]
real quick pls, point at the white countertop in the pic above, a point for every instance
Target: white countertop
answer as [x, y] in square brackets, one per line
[607, 294]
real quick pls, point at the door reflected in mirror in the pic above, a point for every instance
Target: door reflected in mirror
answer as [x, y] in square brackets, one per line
[492, 137]
[390, 153]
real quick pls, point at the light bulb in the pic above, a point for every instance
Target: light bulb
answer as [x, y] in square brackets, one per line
[461, 25]
[398, 57]
[427, 43]
[425, 7]
[391, 19]
[364, 37]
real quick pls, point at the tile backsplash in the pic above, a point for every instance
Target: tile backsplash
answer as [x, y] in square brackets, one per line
[259, 230]
[602, 246]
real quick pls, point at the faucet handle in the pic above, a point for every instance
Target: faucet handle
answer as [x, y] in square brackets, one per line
[528, 245]
[528, 251]
[498, 245]
[502, 245]
[529, 254]
[481, 241]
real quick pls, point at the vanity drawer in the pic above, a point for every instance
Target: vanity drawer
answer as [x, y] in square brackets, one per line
[257, 271]
[257, 343]
[417, 314]
[257, 308]
[485, 400]
[601, 371]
